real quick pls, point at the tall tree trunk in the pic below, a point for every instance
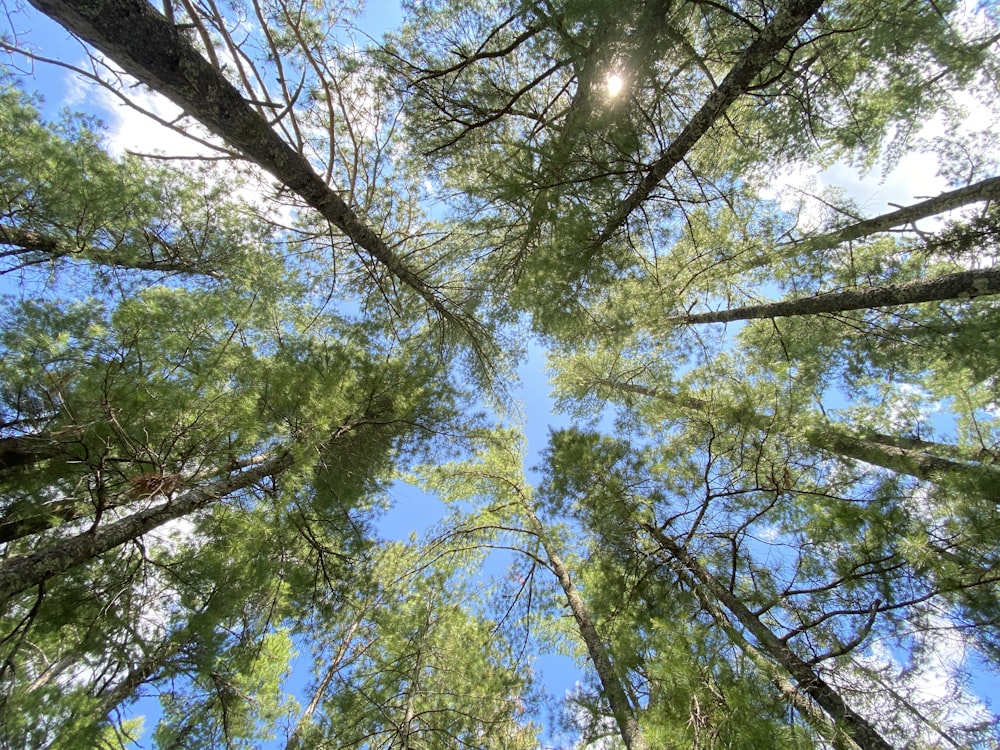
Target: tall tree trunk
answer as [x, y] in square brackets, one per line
[47, 247]
[786, 22]
[19, 574]
[148, 667]
[53, 671]
[931, 447]
[877, 450]
[614, 691]
[803, 704]
[805, 677]
[22, 522]
[156, 52]
[984, 190]
[140, 674]
[953, 286]
[295, 738]
[915, 463]
[406, 729]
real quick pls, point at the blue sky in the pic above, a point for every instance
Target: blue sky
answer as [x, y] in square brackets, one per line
[414, 512]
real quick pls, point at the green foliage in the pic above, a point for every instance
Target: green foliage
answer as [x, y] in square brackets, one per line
[236, 704]
[737, 510]
[60, 185]
[421, 666]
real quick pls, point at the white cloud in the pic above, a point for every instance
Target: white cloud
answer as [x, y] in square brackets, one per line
[923, 703]
[129, 127]
[799, 189]
[912, 178]
[138, 127]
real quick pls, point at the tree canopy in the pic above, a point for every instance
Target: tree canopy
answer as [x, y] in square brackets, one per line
[769, 515]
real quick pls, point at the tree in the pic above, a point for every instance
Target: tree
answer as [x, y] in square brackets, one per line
[655, 540]
[153, 411]
[855, 726]
[155, 51]
[495, 479]
[425, 669]
[959, 285]
[218, 368]
[65, 198]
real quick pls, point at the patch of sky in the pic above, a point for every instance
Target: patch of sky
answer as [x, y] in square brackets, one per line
[48, 42]
[412, 511]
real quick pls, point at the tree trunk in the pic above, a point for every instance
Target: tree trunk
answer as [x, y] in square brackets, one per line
[22, 522]
[808, 681]
[896, 458]
[953, 286]
[19, 574]
[981, 455]
[52, 248]
[877, 450]
[789, 18]
[985, 190]
[806, 707]
[156, 52]
[614, 691]
[143, 672]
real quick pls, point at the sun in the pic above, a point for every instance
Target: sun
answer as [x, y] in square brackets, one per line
[615, 84]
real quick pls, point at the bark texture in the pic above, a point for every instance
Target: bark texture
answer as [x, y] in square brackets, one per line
[961, 285]
[21, 573]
